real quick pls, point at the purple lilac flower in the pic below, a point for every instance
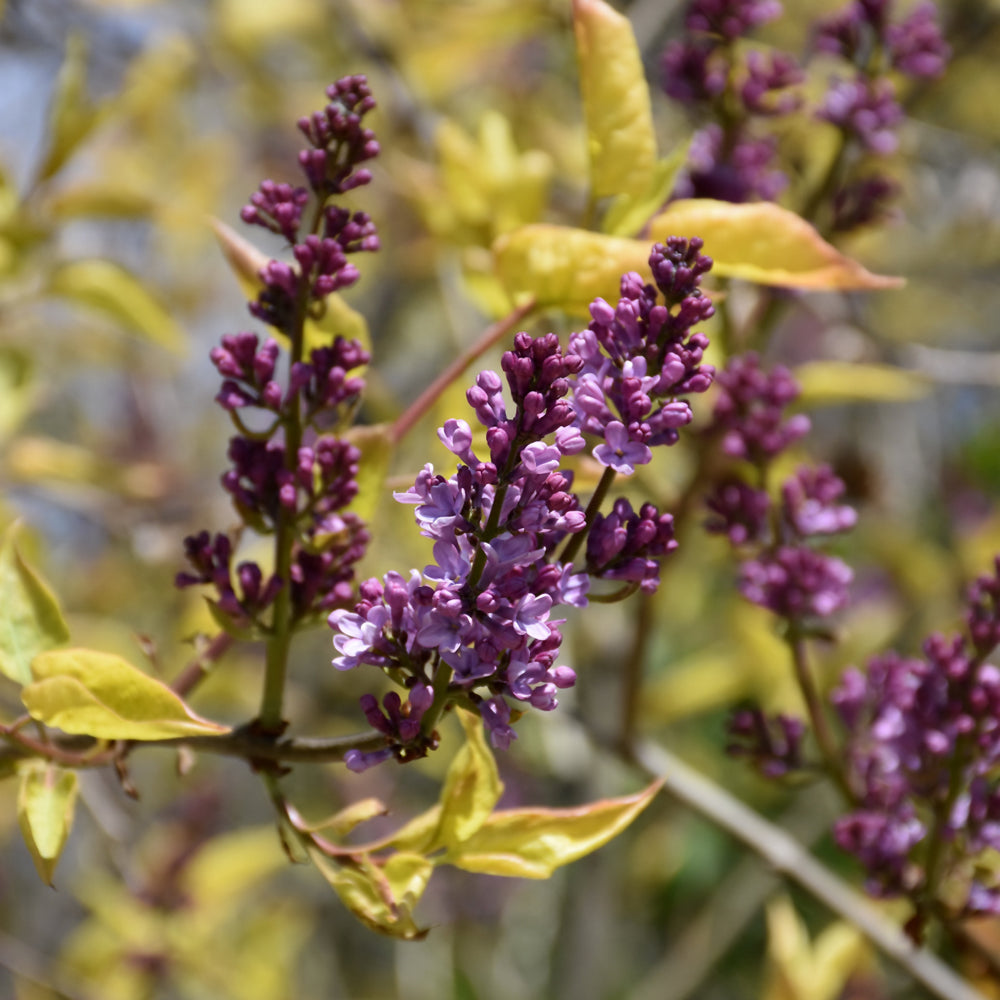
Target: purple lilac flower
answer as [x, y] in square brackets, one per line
[486, 612]
[923, 737]
[772, 744]
[863, 202]
[629, 546]
[738, 511]
[307, 488]
[738, 171]
[809, 503]
[640, 356]
[749, 409]
[915, 45]
[866, 110]
[730, 18]
[765, 90]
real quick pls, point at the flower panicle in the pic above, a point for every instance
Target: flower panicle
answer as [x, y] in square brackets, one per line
[481, 622]
[288, 465]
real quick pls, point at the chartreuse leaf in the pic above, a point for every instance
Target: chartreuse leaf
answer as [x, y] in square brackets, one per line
[800, 969]
[382, 898]
[828, 382]
[71, 115]
[246, 263]
[628, 213]
[616, 106]
[766, 244]
[98, 694]
[110, 289]
[45, 803]
[17, 388]
[342, 822]
[532, 843]
[30, 620]
[376, 445]
[471, 788]
[565, 268]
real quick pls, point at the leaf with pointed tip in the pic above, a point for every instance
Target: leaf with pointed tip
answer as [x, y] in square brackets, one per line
[532, 843]
[616, 107]
[381, 898]
[72, 117]
[110, 289]
[45, 803]
[87, 692]
[31, 620]
[765, 243]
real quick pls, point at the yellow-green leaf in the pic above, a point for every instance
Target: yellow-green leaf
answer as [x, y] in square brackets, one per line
[616, 106]
[342, 822]
[30, 619]
[110, 289]
[98, 694]
[71, 115]
[471, 788]
[565, 268]
[45, 802]
[766, 244]
[371, 893]
[828, 382]
[532, 843]
[17, 388]
[628, 214]
[101, 197]
[376, 445]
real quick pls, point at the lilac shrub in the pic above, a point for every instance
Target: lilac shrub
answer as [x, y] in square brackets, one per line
[479, 625]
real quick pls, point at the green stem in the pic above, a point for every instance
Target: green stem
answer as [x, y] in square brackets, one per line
[573, 545]
[442, 680]
[817, 716]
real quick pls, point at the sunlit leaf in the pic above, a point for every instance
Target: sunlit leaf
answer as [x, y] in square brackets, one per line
[371, 895]
[827, 382]
[472, 786]
[616, 106]
[101, 198]
[98, 694]
[110, 289]
[45, 803]
[231, 865]
[343, 821]
[532, 843]
[628, 213]
[766, 244]
[72, 116]
[565, 268]
[30, 619]
[804, 970]
[17, 388]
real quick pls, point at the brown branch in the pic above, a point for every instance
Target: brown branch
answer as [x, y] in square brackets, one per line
[429, 396]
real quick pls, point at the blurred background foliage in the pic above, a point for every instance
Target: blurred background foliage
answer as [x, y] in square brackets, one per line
[124, 126]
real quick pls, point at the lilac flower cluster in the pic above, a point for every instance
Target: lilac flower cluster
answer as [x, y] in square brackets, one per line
[786, 575]
[864, 106]
[772, 745]
[730, 159]
[478, 626]
[922, 750]
[289, 476]
[733, 157]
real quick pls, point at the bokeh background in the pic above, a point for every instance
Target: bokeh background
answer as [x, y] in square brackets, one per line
[111, 449]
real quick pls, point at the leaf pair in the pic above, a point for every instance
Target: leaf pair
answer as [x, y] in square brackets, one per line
[464, 830]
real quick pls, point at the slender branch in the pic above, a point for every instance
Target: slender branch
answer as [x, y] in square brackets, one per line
[788, 857]
[197, 669]
[78, 751]
[429, 396]
[573, 545]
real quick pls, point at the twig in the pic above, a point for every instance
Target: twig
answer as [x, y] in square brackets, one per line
[197, 670]
[789, 858]
[429, 396]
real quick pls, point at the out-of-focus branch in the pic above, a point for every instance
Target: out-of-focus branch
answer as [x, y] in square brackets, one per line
[790, 859]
